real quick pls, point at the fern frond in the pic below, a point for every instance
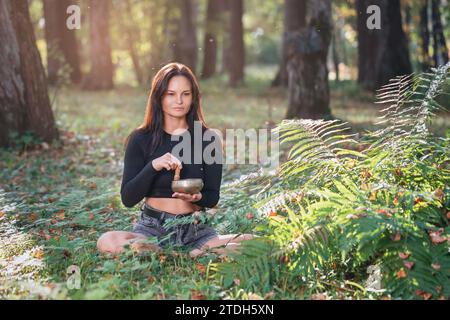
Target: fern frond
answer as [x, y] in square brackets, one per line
[411, 101]
[253, 264]
[317, 146]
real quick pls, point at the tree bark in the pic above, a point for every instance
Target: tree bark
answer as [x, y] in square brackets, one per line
[237, 49]
[424, 36]
[186, 47]
[335, 55]
[210, 45]
[307, 48]
[131, 33]
[294, 18]
[101, 74]
[62, 44]
[440, 47]
[383, 53]
[226, 50]
[24, 102]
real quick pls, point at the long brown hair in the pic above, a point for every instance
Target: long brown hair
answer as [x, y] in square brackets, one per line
[154, 116]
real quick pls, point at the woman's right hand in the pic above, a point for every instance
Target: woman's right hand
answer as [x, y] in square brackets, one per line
[168, 161]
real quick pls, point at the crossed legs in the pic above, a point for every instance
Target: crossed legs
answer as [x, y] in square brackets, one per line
[115, 241]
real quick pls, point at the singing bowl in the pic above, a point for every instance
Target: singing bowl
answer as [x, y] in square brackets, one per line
[190, 186]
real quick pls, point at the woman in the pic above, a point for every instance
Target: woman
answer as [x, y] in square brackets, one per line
[173, 107]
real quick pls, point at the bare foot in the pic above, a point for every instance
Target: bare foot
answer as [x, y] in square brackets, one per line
[140, 247]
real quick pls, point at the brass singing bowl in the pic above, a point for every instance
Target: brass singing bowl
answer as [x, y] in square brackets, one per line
[190, 186]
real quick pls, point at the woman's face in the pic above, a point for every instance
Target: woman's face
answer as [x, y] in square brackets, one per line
[177, 100]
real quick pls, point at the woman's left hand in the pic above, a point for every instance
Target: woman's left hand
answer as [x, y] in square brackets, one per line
[187, 196]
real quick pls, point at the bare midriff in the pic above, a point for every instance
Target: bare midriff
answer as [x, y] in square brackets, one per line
[174, 206]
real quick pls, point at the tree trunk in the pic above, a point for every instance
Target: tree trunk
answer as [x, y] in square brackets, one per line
[307, 48]
[226, 50]
[62, 45]
[335, 55]
[160, 37]
[424, 36]
[237, 50]
[210, 46]
[24, 102]
[293, 20]
[131, 34]
[101, 73]
[186, 47]
[440, 47]
[383, 53]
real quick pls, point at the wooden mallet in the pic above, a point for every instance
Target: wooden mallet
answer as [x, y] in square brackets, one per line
[177, 174]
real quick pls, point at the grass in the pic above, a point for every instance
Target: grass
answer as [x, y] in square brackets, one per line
[56, 201]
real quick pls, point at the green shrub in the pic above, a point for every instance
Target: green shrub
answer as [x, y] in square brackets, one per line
[340, 205]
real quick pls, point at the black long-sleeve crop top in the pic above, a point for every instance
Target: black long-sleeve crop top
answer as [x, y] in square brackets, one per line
[141, 180]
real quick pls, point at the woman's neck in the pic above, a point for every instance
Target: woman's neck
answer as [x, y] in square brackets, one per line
[173, 124]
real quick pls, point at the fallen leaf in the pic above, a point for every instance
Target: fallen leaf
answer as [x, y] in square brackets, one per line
[201, 268]
[366, 174]
[395, 201]
[32, 217]
[2, 214]
[436, 237]
[439, 194]
[92, 185]
[38, 254]
[401, 274]
[269, 295]
[151, 279]
[426, 295]
[254, 296]
[403, 255]
[51, 286]
[197, 295]
[162, 258]
[397, 237]
[436, 266]
[319, 296]
[61, 215]
[66, 253]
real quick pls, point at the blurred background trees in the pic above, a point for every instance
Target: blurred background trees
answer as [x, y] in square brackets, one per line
[62, 44]
[305, 43]
[24, 101]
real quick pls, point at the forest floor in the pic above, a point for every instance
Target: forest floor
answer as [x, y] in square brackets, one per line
[55, 201]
